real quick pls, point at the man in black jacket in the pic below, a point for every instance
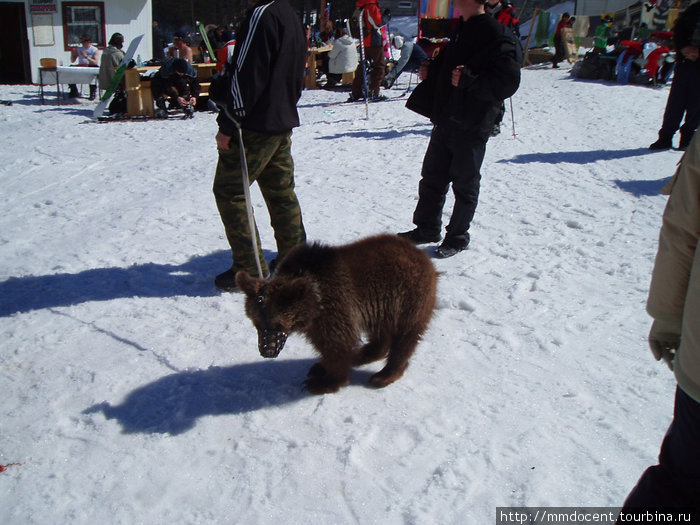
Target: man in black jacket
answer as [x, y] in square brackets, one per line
[267, 70]
[685, 88]
[176, 78]
[461, 92]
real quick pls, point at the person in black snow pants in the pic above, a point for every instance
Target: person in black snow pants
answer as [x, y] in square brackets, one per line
[685, 88]
[461, 92]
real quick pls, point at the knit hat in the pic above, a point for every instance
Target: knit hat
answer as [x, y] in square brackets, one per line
[180, 65]
[398, 41]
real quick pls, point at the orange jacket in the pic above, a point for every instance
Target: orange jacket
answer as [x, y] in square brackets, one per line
[371, 19]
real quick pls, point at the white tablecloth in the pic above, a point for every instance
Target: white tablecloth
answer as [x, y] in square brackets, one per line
[70, 75]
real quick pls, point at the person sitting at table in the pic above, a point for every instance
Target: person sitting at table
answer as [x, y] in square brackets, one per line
[343, 58]
[177, 79]
[412, 56]
[110, 60]
[181, 47]
[86, 55]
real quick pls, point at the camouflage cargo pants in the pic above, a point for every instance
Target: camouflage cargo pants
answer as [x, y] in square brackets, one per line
[270, 163]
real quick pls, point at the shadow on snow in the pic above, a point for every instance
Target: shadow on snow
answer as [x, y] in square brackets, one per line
[174, 403]
[642, 188]
[194, 278]
[576, 157]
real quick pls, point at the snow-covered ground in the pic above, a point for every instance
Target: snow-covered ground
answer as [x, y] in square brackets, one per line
[133, 391]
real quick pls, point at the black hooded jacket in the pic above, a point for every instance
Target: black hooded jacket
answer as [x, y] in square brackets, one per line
[686, 31]
[491, 74]
[267, 71]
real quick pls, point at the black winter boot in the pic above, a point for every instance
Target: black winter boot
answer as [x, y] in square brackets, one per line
[93, 92]
[664, 142]
[419, 236]
[451, 247]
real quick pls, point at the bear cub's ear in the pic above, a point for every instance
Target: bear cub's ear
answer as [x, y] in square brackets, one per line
[248, 284]
[294, 291]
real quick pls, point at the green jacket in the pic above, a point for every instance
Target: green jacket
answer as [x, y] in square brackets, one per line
[109, 62]
[601, 35]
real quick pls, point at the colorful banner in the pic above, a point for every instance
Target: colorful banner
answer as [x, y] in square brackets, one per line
[437, 9]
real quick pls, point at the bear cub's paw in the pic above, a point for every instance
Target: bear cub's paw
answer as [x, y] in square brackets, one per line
[319, 382]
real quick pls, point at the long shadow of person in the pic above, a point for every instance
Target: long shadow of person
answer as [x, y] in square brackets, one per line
[193, 278]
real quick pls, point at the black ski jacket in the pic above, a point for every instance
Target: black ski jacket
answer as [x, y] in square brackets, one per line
[491, 74]
[267, 70]
[686, 31]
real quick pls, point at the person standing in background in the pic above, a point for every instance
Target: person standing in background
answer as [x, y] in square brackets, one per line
[461, 92]
[374, 52]
[684, 96]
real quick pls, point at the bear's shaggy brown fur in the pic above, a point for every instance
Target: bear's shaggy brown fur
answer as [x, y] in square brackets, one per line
[381, 288]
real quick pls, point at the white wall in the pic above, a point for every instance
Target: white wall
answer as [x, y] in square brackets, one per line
[128, 17]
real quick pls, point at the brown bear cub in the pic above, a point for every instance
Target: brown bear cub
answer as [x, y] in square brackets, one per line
[381, 288]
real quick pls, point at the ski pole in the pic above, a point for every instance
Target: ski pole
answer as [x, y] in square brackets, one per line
[512, 117]
[364, 64]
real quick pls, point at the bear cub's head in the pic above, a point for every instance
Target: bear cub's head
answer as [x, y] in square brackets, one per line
[277, 308]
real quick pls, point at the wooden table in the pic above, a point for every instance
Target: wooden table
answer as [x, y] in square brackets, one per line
[312, 55]
[65, 75]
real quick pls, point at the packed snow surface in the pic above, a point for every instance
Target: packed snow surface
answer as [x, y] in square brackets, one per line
[133, 391]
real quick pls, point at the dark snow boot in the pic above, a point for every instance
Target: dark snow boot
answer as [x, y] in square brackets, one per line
[226, 281]
[664, 142]
[93, 92]
[160, 103]
[419, 236]
[451, 247]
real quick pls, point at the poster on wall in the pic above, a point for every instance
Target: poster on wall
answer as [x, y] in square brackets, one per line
[42, 29]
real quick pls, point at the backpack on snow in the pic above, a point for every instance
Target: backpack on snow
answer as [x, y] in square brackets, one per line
[118, 103]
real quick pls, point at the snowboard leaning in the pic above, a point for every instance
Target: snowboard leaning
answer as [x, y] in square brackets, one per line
[118, 75]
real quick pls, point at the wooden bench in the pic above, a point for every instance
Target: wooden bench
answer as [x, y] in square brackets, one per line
[204, 73]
